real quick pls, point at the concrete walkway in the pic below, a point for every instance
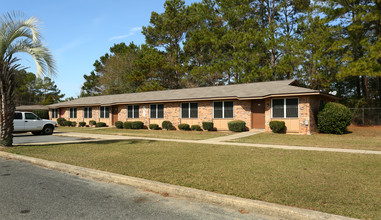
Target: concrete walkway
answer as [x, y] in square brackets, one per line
[100, 137]
[233, 136]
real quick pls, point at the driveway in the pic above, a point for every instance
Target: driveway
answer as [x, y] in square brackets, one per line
[29, 138]
[31, 192]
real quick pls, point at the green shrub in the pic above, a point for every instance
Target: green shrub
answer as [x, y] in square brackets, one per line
[119, 124]
[92, 122]
[206, 125]
[127, 125]
[278, 126]
[137, 125]
[66, 123]
[196, 128]
[82, 124]
[184, 127]
[334, 118]
[154, 127]
[73, 124]
[167, 125]
[101, 124]
[61, 121]
[237, 126]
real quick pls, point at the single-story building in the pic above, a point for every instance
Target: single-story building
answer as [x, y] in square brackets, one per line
[255, 103]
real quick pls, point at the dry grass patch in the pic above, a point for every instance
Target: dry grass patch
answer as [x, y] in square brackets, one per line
[363, 138]
[186, 135]
[339, 183]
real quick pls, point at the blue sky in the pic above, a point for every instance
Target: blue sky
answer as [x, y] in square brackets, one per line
[79, 32]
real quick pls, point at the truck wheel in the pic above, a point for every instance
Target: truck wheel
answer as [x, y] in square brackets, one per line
[48, 130]
[36, 132]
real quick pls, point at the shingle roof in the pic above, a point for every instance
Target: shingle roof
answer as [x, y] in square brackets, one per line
[31, 107]
[236, 91]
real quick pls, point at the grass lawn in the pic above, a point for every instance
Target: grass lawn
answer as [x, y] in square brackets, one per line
[187, 135]
[364, 138]
[339, 183]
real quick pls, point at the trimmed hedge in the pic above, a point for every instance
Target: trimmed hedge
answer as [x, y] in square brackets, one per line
[196, 128]
[92, 122]
[278, 126]
[127, 125]
[66, 123]
[119, 124]
[206, 125]
[82, 124]
[237, 126]
[154, 127]
[100, 124]
[334, 118]
[184, 127]
[167, 125]
[60, 121]
[73, 124]
[137, 125]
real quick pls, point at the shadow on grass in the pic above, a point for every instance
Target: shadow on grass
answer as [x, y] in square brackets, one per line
[92, 142]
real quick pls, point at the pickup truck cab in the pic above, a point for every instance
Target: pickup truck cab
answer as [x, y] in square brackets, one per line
[29, 122]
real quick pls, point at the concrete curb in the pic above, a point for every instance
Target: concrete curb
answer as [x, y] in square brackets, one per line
[258, 207]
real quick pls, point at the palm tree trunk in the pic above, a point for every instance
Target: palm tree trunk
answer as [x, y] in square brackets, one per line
[7, 105]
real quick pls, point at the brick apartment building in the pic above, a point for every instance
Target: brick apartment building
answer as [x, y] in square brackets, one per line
[255, 103]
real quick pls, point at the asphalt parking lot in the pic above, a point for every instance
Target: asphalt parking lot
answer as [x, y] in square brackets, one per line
[29, 138]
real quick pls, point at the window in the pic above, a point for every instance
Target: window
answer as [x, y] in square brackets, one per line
[54, 113]
[31, 116]
[18, 116]
[223, 109]
[73, 112]
[87, 112]
[285, 108]
[157, 111]
[189, 110]
[132, 111]
[104, 112]
[278, 108]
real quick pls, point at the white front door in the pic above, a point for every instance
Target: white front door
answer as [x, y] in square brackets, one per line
[32, 122]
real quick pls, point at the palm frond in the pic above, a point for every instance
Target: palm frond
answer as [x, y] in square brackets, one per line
[18, 34]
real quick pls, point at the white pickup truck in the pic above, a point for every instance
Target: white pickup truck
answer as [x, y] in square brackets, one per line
[29, 122]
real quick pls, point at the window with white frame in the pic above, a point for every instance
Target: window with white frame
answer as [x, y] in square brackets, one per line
[87, 112]
[223, 109]
[285, 108]
[104, 112]
[132, 111]
[73, 113]
[157, 111]
[189, 110]
[54, 113]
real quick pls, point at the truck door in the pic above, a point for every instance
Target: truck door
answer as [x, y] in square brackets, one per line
[32, 122]
[18, 123]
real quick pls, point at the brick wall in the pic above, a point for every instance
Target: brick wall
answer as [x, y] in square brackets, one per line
[306, 123]
[172, 113]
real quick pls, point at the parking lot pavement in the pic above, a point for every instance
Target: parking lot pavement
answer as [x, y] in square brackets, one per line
[29, 138]
[32, 192]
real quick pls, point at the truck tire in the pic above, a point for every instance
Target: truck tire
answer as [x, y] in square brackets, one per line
[48, 130]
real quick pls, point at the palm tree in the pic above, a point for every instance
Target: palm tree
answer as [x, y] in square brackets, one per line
[18, 35]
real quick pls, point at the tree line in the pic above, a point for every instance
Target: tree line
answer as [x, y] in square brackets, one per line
[30, 89]
[333, 46]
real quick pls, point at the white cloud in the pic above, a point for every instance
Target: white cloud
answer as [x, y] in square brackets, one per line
[69, 46]
[130, 33]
